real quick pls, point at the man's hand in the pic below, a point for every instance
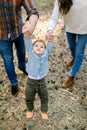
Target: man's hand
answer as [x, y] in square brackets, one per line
[29, 26]
[27, 30]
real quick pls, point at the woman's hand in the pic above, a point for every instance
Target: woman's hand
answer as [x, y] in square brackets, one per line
[49, 36]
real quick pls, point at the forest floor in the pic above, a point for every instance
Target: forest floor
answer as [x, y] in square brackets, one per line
[67, 107]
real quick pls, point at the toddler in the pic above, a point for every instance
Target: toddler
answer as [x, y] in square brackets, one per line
[37, 69]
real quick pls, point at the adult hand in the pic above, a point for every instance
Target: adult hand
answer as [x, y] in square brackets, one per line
[29, 26]
[27, 30]
[49, 36]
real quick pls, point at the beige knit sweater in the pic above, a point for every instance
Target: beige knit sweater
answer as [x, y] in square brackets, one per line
[75, 20]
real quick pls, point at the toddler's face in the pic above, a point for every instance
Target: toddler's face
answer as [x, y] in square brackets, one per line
[39, 47]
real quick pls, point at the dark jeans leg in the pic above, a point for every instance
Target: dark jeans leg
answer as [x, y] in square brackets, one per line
[20, 50]
[6, 52]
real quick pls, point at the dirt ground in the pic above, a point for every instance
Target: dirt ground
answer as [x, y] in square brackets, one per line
[67, 107]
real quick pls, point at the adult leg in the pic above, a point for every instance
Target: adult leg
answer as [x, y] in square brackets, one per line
[79, 54]
[20, 50]
[71, 38]
[6, 52]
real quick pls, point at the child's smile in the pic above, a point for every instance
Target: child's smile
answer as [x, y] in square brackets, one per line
[39, 47]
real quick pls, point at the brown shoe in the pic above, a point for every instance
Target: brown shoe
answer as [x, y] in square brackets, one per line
[70, 62]
[68, 82]
[30, 114]
[44, 115]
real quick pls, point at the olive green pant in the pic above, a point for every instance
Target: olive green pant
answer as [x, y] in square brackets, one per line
[33, 87]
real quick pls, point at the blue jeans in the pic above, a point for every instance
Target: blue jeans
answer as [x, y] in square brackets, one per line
[6, 52]
[77, 45]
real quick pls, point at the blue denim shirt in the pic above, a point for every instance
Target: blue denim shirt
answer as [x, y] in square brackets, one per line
[37, 66]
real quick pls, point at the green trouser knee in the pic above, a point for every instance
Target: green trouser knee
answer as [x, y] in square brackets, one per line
[33, 87]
